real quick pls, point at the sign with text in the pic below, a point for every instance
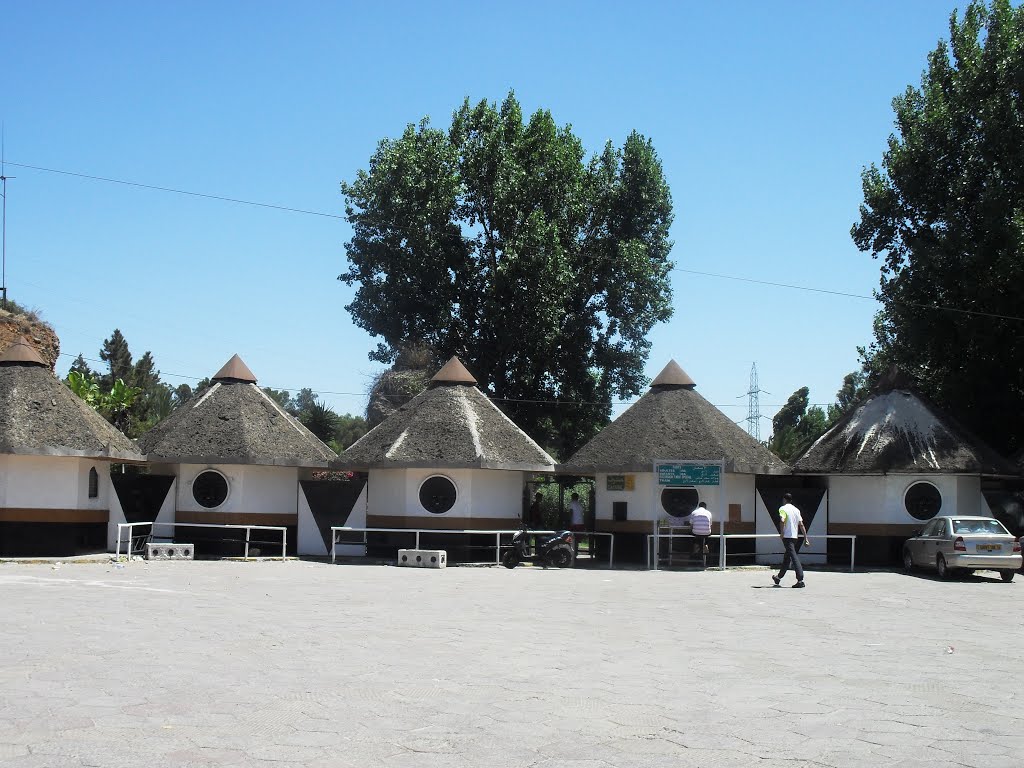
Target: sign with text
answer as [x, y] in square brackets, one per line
[688, 473]
[620, 483]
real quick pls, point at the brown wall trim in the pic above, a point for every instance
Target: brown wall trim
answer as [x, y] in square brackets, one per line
[236, 518]
[875, 529]
[10, 515]
[440, 522]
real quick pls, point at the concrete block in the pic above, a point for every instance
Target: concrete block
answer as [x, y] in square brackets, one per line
[170, 551]
[423, 558]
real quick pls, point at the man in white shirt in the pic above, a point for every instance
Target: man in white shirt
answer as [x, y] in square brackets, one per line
[792, 531]
[700, 527]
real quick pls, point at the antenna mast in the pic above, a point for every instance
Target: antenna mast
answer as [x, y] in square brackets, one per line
[754, 405]
[3, 237]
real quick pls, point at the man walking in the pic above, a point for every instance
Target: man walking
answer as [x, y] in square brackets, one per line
[792, 531]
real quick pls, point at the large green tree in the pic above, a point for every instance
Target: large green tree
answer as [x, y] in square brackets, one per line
[945, 214]
[500, 242]
[796, 426]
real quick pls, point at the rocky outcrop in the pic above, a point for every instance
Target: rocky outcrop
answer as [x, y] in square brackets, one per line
[14, 325]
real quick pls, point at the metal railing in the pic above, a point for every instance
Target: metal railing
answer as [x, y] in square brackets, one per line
[723, 545]
[431, 531]
[152, 526]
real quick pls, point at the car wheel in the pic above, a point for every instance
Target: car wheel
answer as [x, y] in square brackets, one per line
[945, 572]
[561, 558]
[509, 559]
[1007, 575]
[908, 561]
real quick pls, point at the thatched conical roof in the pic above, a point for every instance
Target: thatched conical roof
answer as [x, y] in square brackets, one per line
[40, 416]
[450, 424]
[672, 421]
[233, 421]
[897, 431]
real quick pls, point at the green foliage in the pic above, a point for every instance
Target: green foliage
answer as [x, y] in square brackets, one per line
[349, 429]
[116, 355]
[320, 420]
[945, 214]
[81, 366]
[83, 385]
[113, 404]
[854, 390]
[32, 315]
[796, 426]
[498, 242]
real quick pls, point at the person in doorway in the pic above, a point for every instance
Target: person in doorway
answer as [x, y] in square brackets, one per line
[792, 531]
[577, 526]
[533, 517]
[700, 527]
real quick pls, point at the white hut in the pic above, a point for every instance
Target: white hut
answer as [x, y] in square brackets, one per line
[895, 462]
[55, 455]
[447, 459]
[236, 458]
[704, 454]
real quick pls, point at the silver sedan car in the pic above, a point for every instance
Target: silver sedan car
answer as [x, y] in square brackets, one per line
[960, 544]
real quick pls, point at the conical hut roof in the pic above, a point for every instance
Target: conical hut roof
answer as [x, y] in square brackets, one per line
[672, 421]
[450, 424]
[897, 431]
[233, 421]
[40, 416]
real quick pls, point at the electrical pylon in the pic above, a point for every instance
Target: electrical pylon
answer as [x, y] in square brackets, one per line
[754, 406]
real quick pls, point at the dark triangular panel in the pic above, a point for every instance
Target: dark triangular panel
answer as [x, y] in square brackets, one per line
[331, 502]
[141, 496]
[807, 500]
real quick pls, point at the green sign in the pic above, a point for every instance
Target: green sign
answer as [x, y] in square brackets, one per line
[689, 474]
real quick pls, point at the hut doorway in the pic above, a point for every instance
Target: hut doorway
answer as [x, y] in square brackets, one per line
[813, 506]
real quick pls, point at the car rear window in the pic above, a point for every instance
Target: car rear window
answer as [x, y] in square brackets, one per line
[978, 526]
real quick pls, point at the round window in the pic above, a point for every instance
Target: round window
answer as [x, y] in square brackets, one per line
[923, 501]
[210, 489]
[679, 502]
[438, 494]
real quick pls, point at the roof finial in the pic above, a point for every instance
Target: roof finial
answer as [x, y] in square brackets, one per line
[673, 376]
[453, 372]
[235, 370]
[21, 351]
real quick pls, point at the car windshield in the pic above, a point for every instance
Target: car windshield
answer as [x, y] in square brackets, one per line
[978, 526]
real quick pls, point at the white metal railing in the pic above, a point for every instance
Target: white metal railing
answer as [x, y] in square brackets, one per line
[496, 533]
[248, 532]
[653, 538]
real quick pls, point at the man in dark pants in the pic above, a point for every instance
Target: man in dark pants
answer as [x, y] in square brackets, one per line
[792, 531]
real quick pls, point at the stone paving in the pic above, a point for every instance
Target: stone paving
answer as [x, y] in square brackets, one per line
[308, 664]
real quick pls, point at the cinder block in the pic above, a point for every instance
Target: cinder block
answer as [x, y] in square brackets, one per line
[170, 551]
[423, 558]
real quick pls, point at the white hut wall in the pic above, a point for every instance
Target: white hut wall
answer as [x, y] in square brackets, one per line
[631, 514]
[873, 507]
[46, 507]
[732, 502]
[484, 498]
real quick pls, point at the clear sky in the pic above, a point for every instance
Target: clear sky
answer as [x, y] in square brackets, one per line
[763, 114]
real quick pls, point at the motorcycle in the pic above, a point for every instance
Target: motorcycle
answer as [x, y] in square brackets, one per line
[555, 550]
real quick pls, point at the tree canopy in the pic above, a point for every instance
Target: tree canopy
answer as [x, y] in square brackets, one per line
[499, 242]
[945, 214]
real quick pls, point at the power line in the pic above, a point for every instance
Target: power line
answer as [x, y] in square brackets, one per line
[754, 281]
[935, 307]
[178, 191]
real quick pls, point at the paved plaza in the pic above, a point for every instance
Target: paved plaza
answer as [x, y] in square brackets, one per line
[308, 664]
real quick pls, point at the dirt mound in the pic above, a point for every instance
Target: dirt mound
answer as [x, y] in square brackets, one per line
[38, 332]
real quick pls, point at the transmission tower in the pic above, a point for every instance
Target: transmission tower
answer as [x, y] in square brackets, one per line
[754, 405]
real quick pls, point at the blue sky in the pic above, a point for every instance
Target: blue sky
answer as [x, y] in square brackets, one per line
[763, 115]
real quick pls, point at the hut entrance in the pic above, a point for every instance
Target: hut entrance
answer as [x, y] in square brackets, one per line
[813, 506]
[546, 505]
